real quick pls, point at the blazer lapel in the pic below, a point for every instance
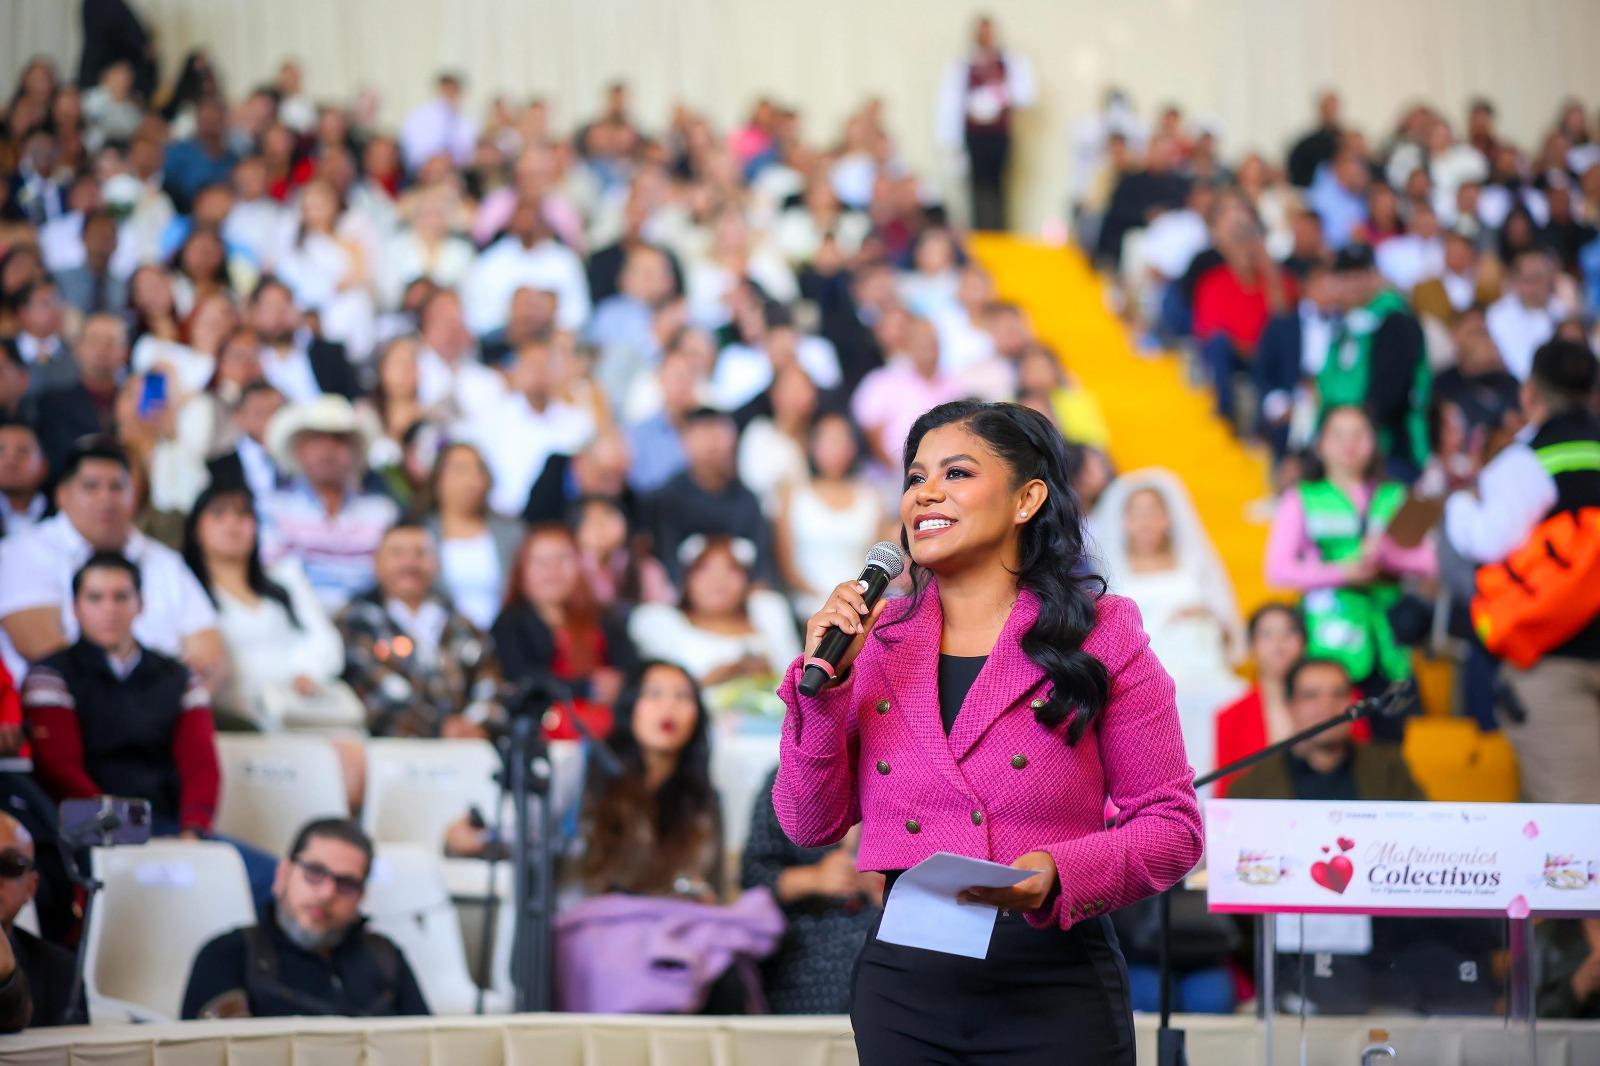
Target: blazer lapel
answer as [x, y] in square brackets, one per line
[916, 684]
[1008, 678]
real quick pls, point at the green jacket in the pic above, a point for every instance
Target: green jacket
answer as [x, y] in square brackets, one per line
[1393, 387]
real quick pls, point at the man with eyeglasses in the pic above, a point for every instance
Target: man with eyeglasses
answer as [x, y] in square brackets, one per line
[311, 954]
[42, 969]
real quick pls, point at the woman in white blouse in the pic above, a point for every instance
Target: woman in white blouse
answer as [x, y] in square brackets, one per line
[724, 631]
[426, 248]
[327, 270]
[476, 547]
[285, 654]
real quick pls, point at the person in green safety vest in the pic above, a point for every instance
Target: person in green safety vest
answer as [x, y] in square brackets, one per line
[1378, 360]
[1329, 540]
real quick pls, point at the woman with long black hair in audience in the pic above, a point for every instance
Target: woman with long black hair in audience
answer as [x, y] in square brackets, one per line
[285, 654]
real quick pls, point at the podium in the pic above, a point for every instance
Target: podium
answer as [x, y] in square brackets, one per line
[1326, 875]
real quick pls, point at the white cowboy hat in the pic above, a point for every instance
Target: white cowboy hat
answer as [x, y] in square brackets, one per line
[326, 414]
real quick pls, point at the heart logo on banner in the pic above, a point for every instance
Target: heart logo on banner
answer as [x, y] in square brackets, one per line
[1345, 843]
[1333, 875]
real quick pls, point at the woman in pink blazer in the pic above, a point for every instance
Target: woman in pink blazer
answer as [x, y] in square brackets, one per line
[992, 714]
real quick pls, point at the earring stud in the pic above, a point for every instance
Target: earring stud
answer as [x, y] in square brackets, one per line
[1022, 514]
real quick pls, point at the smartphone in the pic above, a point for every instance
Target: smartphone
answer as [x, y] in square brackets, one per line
[105, 820]
[153, 399]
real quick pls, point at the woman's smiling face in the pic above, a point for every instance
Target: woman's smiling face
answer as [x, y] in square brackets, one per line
[959, 503]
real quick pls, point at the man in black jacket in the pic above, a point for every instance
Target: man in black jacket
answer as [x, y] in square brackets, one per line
[311, 954]
[45, 968]
[298, 364]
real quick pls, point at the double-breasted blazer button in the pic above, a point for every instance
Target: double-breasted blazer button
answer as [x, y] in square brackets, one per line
[913, 826]
[1037, 704]
[1019, 762]
[977, 817]
[883, 766]
[883, 706]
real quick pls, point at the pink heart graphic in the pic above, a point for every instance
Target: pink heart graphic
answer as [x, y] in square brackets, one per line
[1530, 830]
[1333, 875]
[1345, 843]
[1518, 907]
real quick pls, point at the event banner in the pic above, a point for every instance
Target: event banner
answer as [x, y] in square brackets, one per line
[1315, 857]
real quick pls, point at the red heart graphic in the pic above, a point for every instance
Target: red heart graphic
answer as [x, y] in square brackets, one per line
[1334, 874]
[1345, 843]
[1325, 849]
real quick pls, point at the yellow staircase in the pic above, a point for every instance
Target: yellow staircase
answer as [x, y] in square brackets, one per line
[1156, 417]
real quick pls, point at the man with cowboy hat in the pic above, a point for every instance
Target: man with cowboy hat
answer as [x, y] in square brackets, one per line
[323, 517]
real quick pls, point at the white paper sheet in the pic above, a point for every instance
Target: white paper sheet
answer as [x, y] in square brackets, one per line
[922, 910]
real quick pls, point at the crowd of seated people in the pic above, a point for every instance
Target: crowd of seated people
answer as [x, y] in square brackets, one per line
[386, 422]
[1406, 324]
[391, 425]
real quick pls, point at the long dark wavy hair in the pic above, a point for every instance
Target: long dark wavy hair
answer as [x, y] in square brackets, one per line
[255, 573]
[1051, 561]
[686, 807]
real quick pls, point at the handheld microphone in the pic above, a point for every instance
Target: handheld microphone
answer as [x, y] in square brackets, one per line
[884, 564]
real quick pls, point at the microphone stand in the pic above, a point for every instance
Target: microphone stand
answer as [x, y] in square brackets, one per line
[529, 772]
[1392, 702]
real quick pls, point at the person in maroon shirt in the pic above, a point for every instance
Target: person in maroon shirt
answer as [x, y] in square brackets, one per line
[110, 717]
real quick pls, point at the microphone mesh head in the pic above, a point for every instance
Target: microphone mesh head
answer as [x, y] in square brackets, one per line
[885, 555]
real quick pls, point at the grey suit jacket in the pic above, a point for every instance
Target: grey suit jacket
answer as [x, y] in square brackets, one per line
[57, 372]
[77, 288]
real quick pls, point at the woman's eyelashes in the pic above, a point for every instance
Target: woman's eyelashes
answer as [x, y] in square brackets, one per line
[956, 472]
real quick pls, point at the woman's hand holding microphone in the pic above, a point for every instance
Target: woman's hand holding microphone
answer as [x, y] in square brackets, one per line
[847, 611]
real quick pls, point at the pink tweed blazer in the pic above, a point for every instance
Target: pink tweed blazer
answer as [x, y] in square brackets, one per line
[873, 749]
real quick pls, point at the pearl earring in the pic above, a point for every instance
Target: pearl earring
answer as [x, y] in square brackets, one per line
[1022, 514]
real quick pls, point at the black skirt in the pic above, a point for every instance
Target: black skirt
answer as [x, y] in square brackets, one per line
[1048, 996]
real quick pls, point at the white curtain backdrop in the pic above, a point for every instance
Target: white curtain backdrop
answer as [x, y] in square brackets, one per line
[1251, 65]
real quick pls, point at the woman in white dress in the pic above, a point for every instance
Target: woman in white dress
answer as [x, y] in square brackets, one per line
[728, 636]
[285, 655]
[476, 547]
[772, 448]
[828, 521]
[327, 271]
[426, 248]
[1155, 551]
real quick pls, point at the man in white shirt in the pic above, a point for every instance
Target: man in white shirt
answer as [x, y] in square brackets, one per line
[256, 224]
[526, 257]
[22, 474]
[439, 127]
[1526, 316]
[448, 370]
[1415, 256]
[96, 498]
[525, 427]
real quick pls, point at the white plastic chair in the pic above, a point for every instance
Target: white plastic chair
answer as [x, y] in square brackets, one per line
[416, 788]
[408, 901]
[273, 785]
[160, 904]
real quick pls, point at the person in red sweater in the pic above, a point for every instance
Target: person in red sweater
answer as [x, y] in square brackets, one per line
[110, 717]
[1234, 299]
[1277, 636]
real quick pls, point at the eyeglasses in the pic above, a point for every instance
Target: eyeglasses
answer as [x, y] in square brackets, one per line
[318, 875]
[14, 864]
